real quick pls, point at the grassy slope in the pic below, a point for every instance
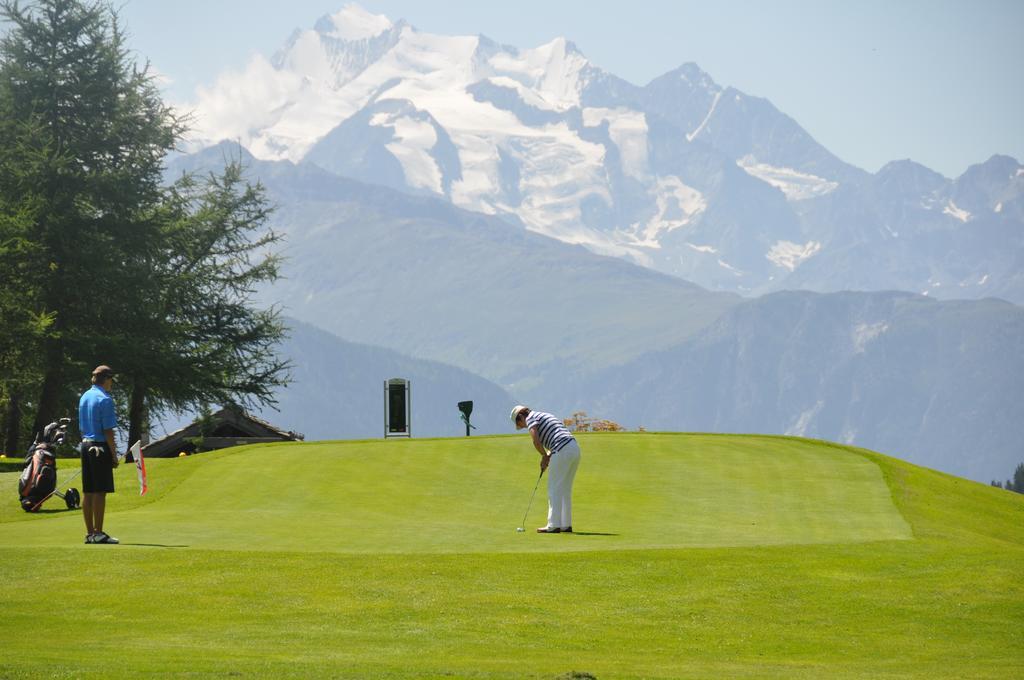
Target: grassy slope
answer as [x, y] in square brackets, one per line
[785, 558]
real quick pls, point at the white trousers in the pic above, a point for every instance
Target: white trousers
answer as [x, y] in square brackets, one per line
[561, 473]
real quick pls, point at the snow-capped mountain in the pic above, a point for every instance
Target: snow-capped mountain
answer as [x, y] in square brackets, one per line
[681, 175]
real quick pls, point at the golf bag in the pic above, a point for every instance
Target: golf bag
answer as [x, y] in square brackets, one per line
[39, 477]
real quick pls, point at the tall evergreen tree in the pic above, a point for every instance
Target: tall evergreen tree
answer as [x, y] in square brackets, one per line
[116, 267]
[204, 340]
[83, 134]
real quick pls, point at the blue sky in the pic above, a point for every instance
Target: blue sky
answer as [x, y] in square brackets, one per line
[937, 81]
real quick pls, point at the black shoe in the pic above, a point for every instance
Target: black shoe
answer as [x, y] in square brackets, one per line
[566, 530]
[549, 530]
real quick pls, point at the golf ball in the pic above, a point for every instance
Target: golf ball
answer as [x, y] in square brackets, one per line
[519, 529]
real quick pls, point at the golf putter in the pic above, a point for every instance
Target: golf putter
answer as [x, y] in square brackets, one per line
[522, 525]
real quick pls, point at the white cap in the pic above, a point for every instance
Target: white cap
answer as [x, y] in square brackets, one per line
[516, 411]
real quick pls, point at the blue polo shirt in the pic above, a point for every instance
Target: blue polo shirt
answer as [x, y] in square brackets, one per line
[96, 414]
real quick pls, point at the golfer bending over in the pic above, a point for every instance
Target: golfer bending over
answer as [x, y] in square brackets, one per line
[560, 453]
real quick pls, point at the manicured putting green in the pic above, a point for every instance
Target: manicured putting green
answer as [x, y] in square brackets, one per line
[633, 491]
[698, 556]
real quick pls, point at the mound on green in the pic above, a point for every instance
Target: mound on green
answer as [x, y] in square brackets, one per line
[696, 556]
[468, 495]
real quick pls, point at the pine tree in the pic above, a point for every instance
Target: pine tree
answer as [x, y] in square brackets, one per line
[82, 136]
[114, 266]
[204, 340]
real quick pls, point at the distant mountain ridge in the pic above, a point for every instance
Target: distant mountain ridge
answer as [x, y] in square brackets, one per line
[423, 277]
[682, 175]
[563, 329]
[338, 391]
[937, 383]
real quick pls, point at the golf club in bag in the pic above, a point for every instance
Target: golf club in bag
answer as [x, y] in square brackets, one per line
[38, 479]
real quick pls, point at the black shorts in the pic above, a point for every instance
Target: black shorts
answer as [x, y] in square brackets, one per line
[97, 470]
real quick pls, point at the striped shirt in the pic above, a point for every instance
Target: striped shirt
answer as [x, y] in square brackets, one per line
[553, 434]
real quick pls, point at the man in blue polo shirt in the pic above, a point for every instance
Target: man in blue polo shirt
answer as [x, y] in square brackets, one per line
[96, 421]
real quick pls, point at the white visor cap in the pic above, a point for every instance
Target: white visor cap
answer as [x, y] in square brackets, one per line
[515, 413]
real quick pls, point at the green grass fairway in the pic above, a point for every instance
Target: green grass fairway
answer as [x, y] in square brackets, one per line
[698, 556]
[469, 495]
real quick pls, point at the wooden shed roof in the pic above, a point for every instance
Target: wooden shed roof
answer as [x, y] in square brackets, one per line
[231, 426]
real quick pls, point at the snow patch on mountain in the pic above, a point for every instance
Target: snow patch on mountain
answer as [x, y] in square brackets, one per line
[789, 255]
[677, 205]
[526, 95]
[558, 172]
[797, 186]
[729, 268]
[700, 128]
[551, 70]
[628, 130]
[956, 212]
[865, 333]
[804, 420]
[413, 142]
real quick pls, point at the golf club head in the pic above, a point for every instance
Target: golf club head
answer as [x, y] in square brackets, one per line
[520, 529]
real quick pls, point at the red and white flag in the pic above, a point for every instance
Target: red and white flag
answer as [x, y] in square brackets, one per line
[140, 467]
